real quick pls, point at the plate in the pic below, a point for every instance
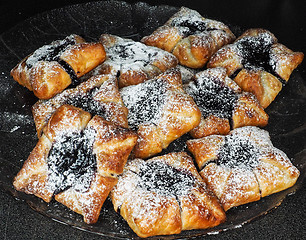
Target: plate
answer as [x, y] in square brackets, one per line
[17, 131]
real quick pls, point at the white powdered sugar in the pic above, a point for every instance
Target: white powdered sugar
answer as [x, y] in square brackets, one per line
[144, 101]
[129, 55]
[212, 94]
[255, 52]
[248, 166]
[239, 151]
[50, 52]
[71, 161]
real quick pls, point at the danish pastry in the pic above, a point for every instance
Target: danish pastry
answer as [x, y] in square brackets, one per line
[222, 103]
[99, 95]
[52, 68]
[190, 37]
[77, 159]
[258, 63]
[132, 62]
[165, 195]
[243, 166]
[160, 111]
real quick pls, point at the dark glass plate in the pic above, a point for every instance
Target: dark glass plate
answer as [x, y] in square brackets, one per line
[17, 130]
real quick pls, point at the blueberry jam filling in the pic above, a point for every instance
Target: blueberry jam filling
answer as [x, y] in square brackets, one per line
[71, 162]
[212, 97]
[70, 71]
[52, 52]
[190, 27]
[255, 53]
[164, 179]
[144, 102]
[88, 103]
[238, 153]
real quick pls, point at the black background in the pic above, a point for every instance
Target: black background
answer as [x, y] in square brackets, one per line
[286, 19]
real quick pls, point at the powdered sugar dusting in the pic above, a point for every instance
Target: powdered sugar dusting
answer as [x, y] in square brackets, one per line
[212, 95]
[71, 162]
[248, 166]
[128, 55]
[255, 52]
[243, 147]
[144, 101]
[238, 151]
[164, 179]
[51, 52]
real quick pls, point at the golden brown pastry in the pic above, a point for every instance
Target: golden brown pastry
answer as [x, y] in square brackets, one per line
[165, 195]
[99, 95]
[243, 166]
[132, 62]
[52, 68]
[190, 37]
[77, 159]
[222, 103]
[160, 111]
[258, 63]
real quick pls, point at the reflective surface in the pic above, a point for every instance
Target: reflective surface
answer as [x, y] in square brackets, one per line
[18, 137]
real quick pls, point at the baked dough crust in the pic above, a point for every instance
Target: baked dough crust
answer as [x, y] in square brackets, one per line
[223, 104]
[52, 68]
[190, 37]
[160, 111]
[111, 147]
[151, 207]
[132, 62]
[261, 62]
[99, 95]
[254, 168]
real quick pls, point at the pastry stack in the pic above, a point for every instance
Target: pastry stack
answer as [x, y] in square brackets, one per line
[108, 110]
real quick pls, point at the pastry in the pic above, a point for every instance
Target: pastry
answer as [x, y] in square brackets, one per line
[165, 195]
[222, 103]
[190, 37]
[77, 159]
[187, 73]
[258, 63]
[160, 111]
[243, 166]
[52, 68]
[99, 95]
[132, 62]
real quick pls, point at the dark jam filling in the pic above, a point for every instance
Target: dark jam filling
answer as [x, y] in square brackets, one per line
[53, 52]
[144, 102]
[189, 27]
[164, 179]
[88, 103]
[213, 97]
[255, 53]
[238, 153]
[71, 162]
[70, 71]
